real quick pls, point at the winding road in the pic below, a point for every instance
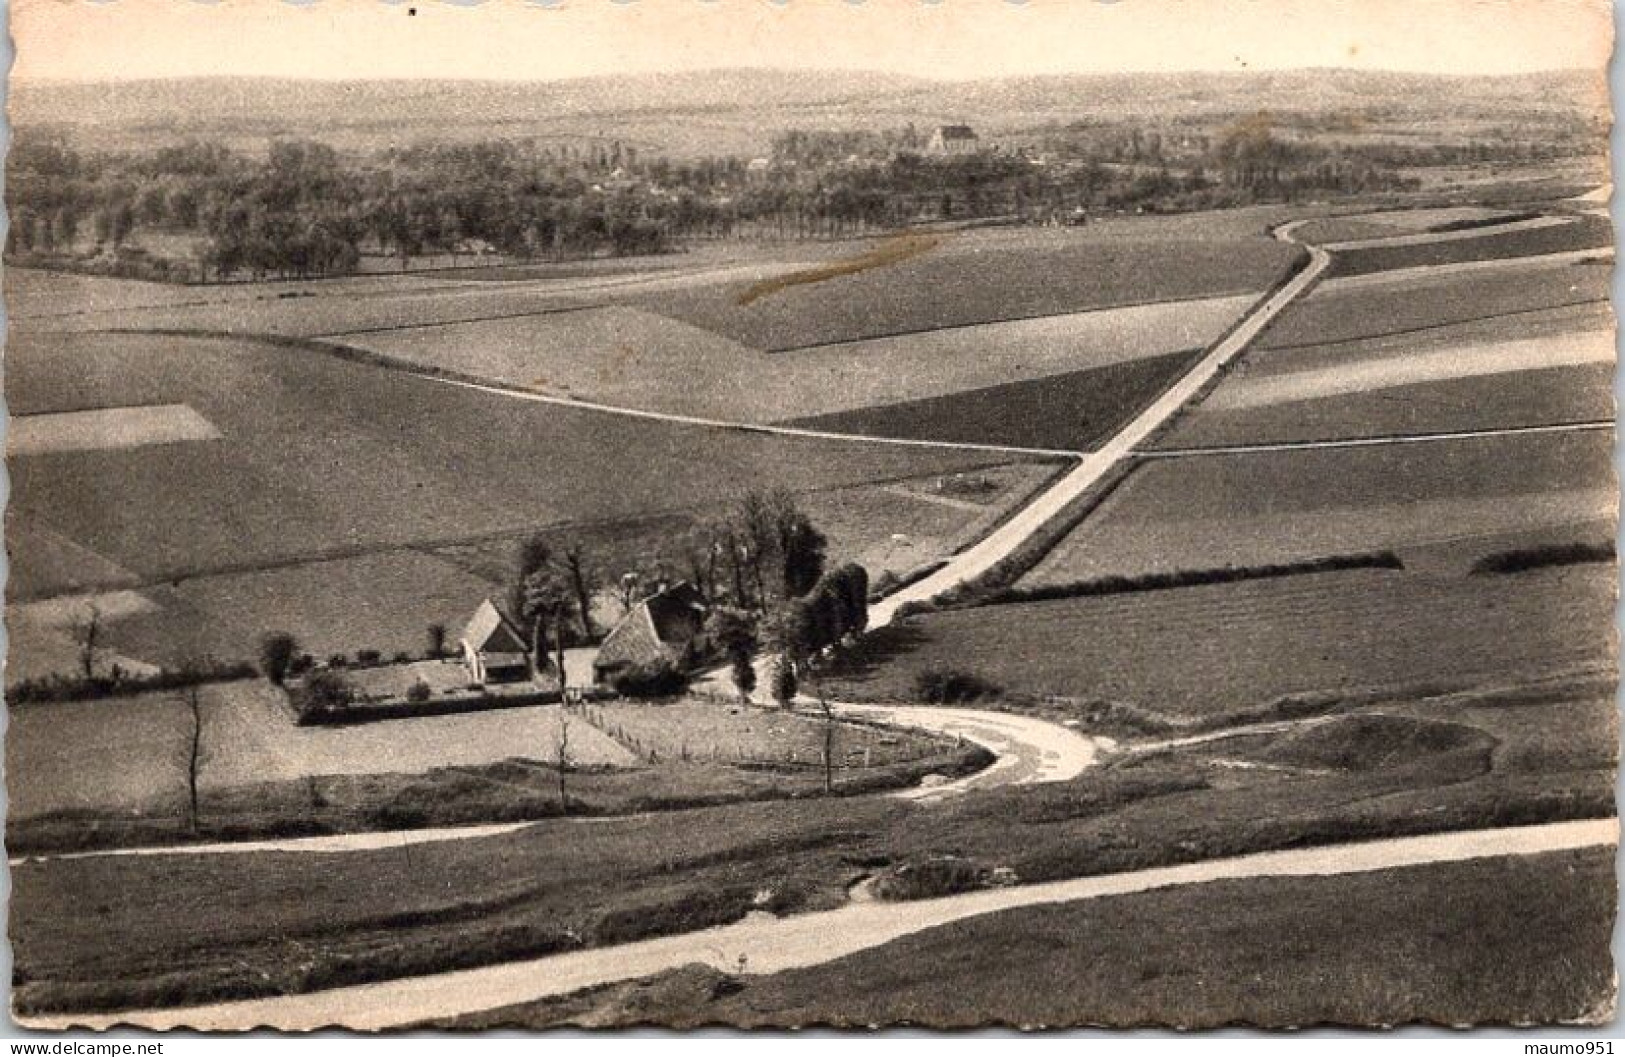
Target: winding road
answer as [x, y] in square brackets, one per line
[765, 944]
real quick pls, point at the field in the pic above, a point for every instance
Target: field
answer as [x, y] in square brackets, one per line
[1069, 412]
[631, 357]
[150, 938]
[1377, 305]
[1511, 940]
[1530, 370]
[270, 494]
[1201, 652]
[114, 772]
[719, 732]
[1042, 272]
[1583, 233]
[1267, 507]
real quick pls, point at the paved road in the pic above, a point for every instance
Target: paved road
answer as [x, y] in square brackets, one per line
[1099, 464]
[765, 944]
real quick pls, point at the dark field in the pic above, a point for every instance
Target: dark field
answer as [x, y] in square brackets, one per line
[1338, 312]
[1585, 233]
[1510, 940]
[1267, 507]
[1040, 273]
[1068, 412]
[1506, 400]
[1200, 652]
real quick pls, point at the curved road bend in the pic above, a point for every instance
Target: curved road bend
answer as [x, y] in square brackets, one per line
[765, 944]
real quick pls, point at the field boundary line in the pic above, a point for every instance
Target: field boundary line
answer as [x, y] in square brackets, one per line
[1299, 346]
[1374, 442]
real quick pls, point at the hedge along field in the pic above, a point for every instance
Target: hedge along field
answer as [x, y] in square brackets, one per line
[1068, 412]
[1373, 389]
[1263, 508]
[321, 457]
[984, 276]
[633, 358]
[1371, 306]
[1583, 233]
[1203, 651]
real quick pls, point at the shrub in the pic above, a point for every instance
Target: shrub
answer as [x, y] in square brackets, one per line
[75, 688]
[277, 653]
[302, 664]
[419, 692]
[368, 658]
[323, 692]
[944, 875]
[1517, 561]
[338, 660]
[656, 679]
[952, 686]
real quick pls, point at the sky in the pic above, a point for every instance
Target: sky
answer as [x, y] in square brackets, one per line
[951, 39]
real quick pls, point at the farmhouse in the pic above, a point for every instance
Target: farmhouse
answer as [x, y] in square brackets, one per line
[953, 139]
[494, 649]
[669, 625]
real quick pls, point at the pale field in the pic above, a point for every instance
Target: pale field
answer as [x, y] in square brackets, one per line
[632, 358]
[1256, 385]
[106, 428]
[129, 755]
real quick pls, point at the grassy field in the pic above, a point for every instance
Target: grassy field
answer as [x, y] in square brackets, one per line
[1201, 652]
[699, 730]
[1260, 508]
[1369, 307]
[74, 782]
[1069, 412]
[133, 931]
[1584, 233]
[1042, 272]
[1511, 940]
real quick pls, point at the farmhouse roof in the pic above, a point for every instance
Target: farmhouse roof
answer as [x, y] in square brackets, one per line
[491, 631]
[660, 627]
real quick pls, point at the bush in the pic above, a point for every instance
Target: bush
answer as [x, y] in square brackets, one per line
[338, 660]
[1517, 561]
[277, 653]
[945, 875]
[323, 692]
[657, 679]
[368, 658]
[419, 692]
[57, 688]
[952, 686]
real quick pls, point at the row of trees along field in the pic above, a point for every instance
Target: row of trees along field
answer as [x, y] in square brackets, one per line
[200, 211]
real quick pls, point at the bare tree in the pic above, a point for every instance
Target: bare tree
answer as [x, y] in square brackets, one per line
[584, 580]
[562, 760]
[87, 632]
[193, 757]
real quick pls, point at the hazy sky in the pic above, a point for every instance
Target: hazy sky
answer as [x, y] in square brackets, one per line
[516, 39]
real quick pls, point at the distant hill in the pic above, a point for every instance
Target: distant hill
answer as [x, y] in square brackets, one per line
[736, 111]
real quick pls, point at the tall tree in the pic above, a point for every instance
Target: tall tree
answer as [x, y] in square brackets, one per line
[584, 581]
[734, 632]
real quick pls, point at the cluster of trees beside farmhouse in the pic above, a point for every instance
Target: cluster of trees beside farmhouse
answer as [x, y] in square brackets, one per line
[200, 211]
[760, 567]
